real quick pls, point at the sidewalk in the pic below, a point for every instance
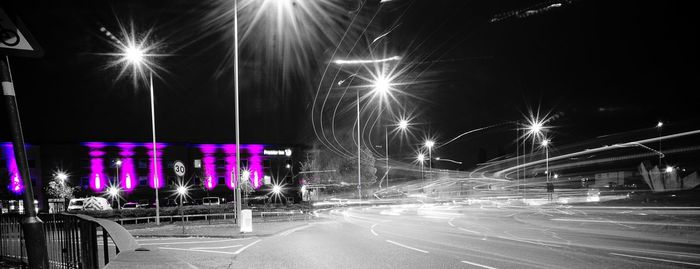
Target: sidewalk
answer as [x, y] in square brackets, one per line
[153, 258]
[228, 230]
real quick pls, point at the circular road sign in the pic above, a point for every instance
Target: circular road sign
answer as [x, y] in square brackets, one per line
[179, 168]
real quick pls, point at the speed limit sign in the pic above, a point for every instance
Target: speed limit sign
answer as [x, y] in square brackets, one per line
[179, 168]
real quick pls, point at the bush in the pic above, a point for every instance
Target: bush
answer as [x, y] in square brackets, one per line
[164, 211]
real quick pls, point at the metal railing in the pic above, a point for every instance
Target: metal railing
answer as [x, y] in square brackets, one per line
[73, 241]
[173, 218]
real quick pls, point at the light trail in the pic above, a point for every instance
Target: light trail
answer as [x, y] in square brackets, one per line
[352, 62]
[599, 149]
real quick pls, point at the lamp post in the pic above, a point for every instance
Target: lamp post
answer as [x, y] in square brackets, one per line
[429, 144]
[421, 159]
[113, 192]
[659, 127]
[545, 145]
[237, 113]
[134, 54]
[117, 165]
[402, 126]
[181, 191]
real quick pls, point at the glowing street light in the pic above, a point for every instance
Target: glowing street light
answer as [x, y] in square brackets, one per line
[61, 176]
[421, 159]
[659, 127]
[113, 192]
[545, 144]
[136, 53]
[669, 169]
[429, 144]
[403, 125]
[276, 189]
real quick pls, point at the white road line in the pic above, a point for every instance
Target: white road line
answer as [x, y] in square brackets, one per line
[193, 242]
[469, 231]
[654, 259]
[371, 229]
[217, 247]
[288, 232]
[631, 222]
[480, 265]
[405, 246]
[450, 223]
[247, 246]
[199, 250]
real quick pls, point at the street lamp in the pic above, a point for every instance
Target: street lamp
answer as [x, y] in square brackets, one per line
[659, 127]
[135, 55]
[421, 158]
[429, 145]
[113, 192]
[62, 177]
[117, 164]
[401, 126]
[181, 190]
[545, 144]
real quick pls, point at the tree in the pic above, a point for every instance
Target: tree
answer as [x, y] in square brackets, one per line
[60, 189]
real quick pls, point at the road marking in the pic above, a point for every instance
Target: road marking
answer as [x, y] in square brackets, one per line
[405, 246]
[371, 229]
[469, 231]
[288, 232]
[653, 259]
[480, 265]
[217, 247]
[193, 242]
[631, 222]
[450, 223]
[247, 246]
[199, 250]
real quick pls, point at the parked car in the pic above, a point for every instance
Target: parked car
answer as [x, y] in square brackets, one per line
[211, 201]
[143, 203]
[76, 204]
[130, 205]
[90, 203]
[257, 200]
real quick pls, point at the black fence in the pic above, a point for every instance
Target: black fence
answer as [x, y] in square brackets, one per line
[73, 241]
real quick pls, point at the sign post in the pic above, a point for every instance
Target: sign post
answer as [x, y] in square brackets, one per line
[17, 41]
[180, 170]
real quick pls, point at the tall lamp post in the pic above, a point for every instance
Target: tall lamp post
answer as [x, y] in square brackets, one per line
[135, 54]
[429, 145]
[402, 126]
[421, 159]
[659, 127]
[545, 145]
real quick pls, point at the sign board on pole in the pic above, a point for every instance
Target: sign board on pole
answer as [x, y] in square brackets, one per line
[15, 39]
[179, 168]
[246, 221]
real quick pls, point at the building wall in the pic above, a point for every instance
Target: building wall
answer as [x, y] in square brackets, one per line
[92, 166]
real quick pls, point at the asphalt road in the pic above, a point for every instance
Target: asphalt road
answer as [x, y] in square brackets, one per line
[460, 236]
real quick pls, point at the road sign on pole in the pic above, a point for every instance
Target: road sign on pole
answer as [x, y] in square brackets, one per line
[179, 168]
[15, 39]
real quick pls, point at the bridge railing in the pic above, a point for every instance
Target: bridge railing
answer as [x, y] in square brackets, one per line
[73, 241]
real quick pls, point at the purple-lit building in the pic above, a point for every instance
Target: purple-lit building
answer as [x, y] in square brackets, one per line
[94, 166]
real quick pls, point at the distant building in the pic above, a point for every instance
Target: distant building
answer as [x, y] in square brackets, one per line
[94, 166]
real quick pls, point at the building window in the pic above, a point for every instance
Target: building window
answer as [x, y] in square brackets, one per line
[143, 163]
[220, 164]
[143, 180]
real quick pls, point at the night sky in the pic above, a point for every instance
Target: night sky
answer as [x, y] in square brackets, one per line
[602, 66]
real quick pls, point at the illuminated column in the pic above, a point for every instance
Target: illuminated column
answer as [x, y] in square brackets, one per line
[255, 165]
[156, 179]
[210, 178]
[98, 180]
[127, 175]
[230, 152]
[16, 186]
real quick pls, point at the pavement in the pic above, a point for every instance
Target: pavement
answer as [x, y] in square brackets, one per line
[447, 235]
